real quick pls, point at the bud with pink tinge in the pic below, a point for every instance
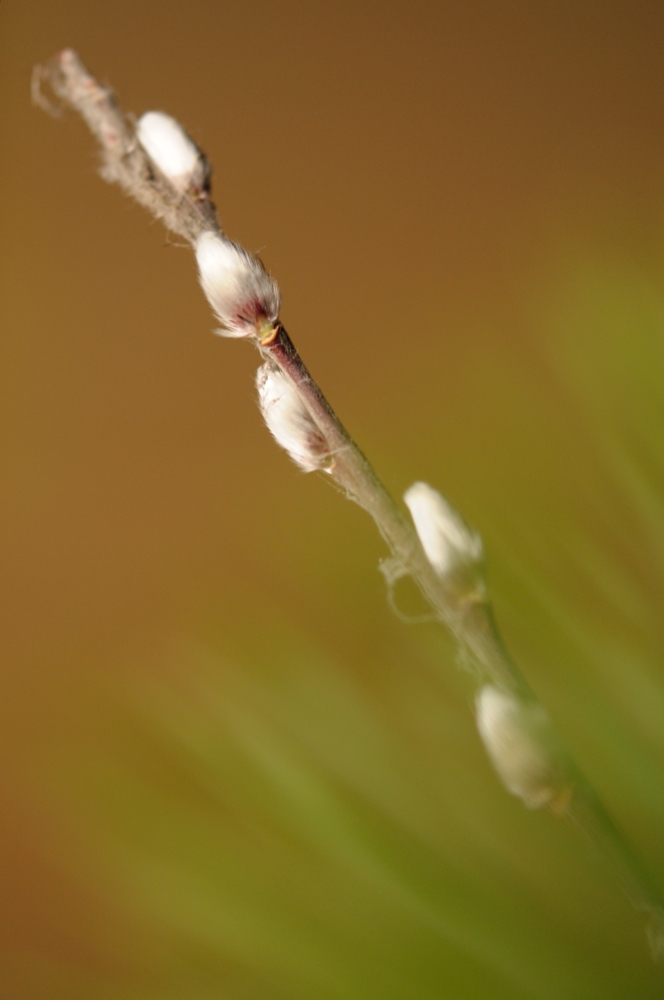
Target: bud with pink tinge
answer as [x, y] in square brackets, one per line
[289, 421]
[242, 294]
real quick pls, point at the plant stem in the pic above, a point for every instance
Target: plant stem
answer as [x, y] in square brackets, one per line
[466, 613]
[469, 618]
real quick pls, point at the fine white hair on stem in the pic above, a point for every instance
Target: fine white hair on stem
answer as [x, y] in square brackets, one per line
[289, 421]
[172, 151]
[244, 297]
[447, 540]
[521, 744]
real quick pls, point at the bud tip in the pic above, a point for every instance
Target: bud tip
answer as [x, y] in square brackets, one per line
[448, 542]
[242, 294]
[170, 148]
[289, 421]
[522, 746]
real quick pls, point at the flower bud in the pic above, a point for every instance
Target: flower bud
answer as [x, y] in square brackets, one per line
[289, 421]
[171, 150]
[523, 748]
[242, 294]
[448, 542]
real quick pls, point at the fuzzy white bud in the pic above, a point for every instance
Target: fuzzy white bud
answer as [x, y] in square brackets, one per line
[242, 294]
[171, 150]
[289, 421]
[522, 746]
[448, 542]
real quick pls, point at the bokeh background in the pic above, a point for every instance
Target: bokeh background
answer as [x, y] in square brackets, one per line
[228, 769]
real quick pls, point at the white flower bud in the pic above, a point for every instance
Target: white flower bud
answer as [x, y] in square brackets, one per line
[522, 746]
[171, 150]
[289, 421]
[448, 542]
[242, 294]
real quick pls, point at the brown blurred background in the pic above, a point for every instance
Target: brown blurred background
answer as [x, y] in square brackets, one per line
[463, 206]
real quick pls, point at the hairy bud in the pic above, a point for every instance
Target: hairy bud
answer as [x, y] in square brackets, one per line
[289, 421]
[172, 151]
[523, 748]
[448, 542]
[242, 294]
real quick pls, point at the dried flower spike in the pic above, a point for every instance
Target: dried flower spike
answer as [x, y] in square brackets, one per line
[172, 151]
[242, 294]
[289, 421]
[447, 540]
[519, 739]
